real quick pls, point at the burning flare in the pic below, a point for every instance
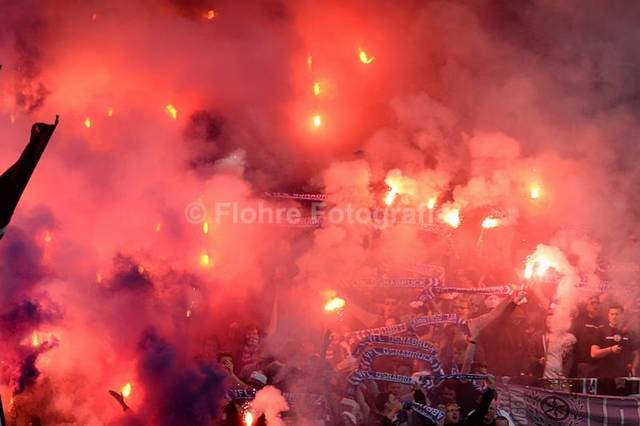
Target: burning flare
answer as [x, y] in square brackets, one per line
[210, 14]
[334, 304]
[205, 227]
[205, 260]
[534, 191]
[490, 222]
[316, 88]
[316, 120]
[391, 195]
[364, 58]
[248, 418]
[537, 265]
[87, 122]
[431, 203]
[35, 340]
[172, 111]
[126, 390]
[450, 216]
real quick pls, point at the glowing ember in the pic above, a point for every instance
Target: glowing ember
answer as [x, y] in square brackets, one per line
[204, 259]
[534, 191]
[490, 222]
[47, 237]
[451, 217]
[172, 111]
[391, 195]
[431, 203]
[87, 122]
[364, 58]
[126, 390]
[110, 112]
[141, 269]
[316, 89]
[210, 14]
[309, 62]
[188, 313]
[158, 227]
[316, 120]
[334, 304]
[35, 340]
[205, 227]
[248, 418]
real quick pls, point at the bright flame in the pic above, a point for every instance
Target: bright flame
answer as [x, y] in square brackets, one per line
[539, 266]
[35, 340]
[316, 88]
[309, 62]
[316, 120]
[126, 390]
[431, 203]
[87, 122]
[364, 58]
[140, 269]
[248, 418]
[205, 260]
[172, 111]
[188, 313]
[210, 14]
[451, 217]
[334, 304]
[534, 191]
[391, 195]
[110, 112]
[205, 227]
[47, 237]
[490, 222]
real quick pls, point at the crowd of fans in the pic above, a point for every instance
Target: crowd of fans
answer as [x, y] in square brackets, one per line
[507, 336]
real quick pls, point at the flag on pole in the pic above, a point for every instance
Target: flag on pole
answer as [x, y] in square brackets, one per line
[15, 179]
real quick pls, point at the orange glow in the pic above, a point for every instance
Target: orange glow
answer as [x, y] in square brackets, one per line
[172, 111]
[210, 14]
[141, 269]
[47, 237]
[110, 112]
[126, 390]
[87, 122]
[205, 261]
[158, 227]
[535, 191]
[248, 418]
[309, 62]
[490, 222]
[364, 58]
[316, 88]
[391, 195]
[205, 227]
[334, 304]
[98, 277]
[35, 340]
[431, 203]
[450, 216]
[316, 120]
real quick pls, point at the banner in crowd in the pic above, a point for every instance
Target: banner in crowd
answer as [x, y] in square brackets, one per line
[408, 342]
[432, 414]
[430, 292]
[297, 196]
[411, 326]
[536, 406]
[372, 354]
[424, 282]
